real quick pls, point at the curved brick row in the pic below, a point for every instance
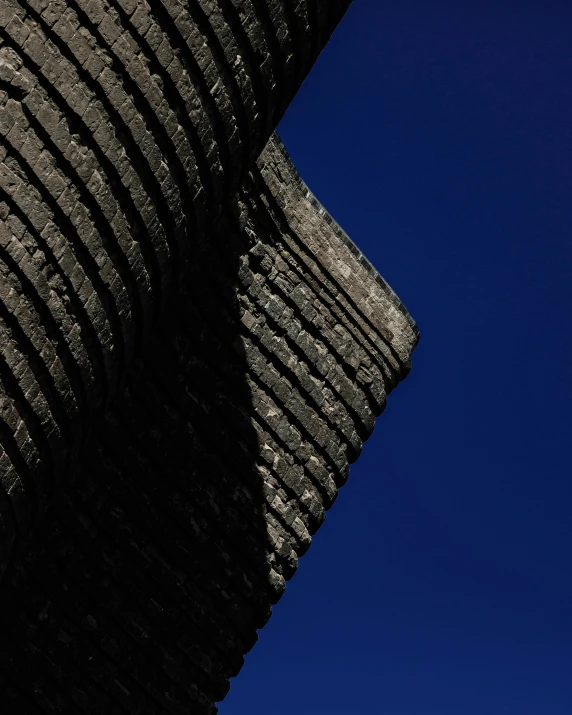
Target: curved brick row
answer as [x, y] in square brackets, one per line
[125, 127]
[203, 484]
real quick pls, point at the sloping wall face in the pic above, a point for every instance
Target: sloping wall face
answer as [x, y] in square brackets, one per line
[192, 352]
[203, 484]
[125, 127]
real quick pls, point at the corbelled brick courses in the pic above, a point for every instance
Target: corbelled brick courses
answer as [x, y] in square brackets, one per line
[124, 128]
[192, 352]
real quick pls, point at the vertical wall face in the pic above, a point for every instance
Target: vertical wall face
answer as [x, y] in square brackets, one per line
[202, 486]
[125, 127]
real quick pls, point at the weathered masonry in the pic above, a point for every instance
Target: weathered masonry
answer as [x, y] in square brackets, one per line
[192, 352]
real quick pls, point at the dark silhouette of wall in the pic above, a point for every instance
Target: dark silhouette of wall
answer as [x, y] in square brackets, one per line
[193, 351]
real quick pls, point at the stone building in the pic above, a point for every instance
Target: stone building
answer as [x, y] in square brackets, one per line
[192, 352]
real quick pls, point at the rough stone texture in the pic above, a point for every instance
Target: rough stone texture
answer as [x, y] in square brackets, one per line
[191, 351]
[125, 127]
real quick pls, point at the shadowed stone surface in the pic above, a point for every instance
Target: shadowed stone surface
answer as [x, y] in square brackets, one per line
[192, 351]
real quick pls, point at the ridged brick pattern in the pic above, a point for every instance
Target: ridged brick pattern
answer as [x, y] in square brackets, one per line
[203, 484]
[126, 127]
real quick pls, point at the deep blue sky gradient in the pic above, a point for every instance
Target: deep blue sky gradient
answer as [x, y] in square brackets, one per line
[439, 135]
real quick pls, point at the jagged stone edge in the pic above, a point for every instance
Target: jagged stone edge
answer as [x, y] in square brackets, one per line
[343, 236]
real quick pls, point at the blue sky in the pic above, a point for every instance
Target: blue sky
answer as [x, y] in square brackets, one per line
[439, 135]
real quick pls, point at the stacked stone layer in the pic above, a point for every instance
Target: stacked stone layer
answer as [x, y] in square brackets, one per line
[125, 126]
[202, 486]
[191, 354]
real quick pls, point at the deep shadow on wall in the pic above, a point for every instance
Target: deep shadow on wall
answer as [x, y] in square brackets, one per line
[146, 582]
[122, 124]
[226, 383]
[144, 586]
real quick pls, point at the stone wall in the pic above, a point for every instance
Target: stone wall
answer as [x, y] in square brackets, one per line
[125, 126]
[202, 486]
[192, 351]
